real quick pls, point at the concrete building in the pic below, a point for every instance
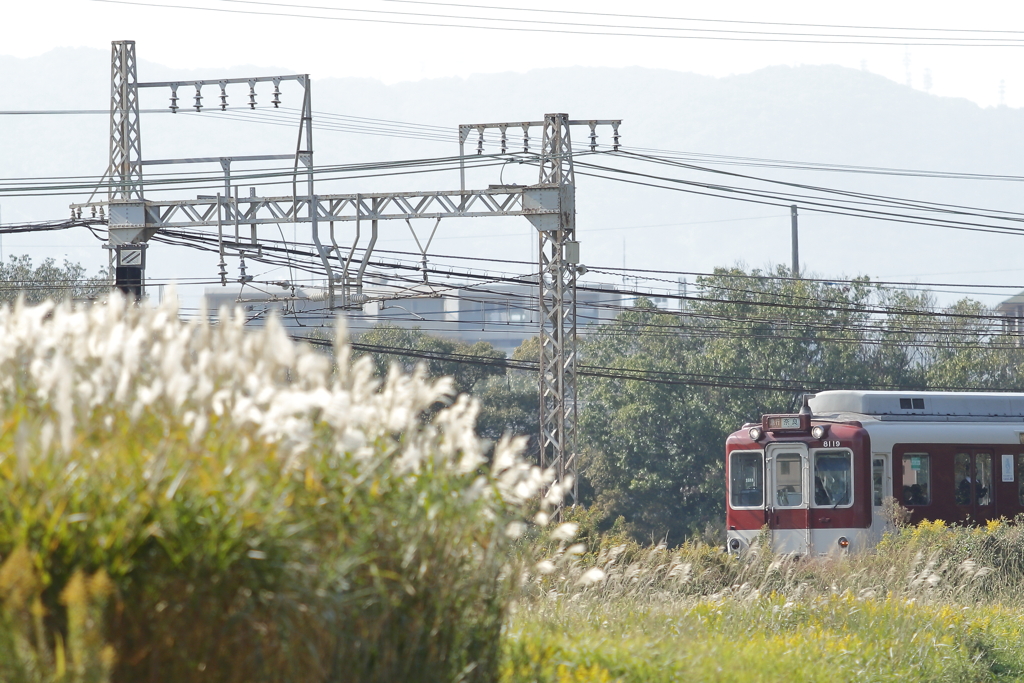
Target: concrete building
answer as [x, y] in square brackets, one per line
[1012, 311]
[503, 314]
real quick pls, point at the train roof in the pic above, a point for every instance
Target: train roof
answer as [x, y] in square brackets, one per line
[919, 406]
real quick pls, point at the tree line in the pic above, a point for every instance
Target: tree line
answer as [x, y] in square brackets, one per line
[745, 344]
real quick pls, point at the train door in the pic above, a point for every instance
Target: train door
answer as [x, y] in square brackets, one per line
[972, 476]
[788, 500]
[881, 488]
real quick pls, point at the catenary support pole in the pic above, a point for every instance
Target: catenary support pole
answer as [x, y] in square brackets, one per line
[796, 241]
[557, 301]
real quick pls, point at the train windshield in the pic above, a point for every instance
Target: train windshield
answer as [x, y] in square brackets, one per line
[746, 479]
[833, 478]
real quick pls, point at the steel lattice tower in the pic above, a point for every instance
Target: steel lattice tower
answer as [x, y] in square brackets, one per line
[550, 206]
[125, 167]
[557, 301]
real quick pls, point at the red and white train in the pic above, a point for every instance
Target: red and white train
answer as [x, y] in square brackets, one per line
[817, 479]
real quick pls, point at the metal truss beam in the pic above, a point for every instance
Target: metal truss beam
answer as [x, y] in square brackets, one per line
[202, 212]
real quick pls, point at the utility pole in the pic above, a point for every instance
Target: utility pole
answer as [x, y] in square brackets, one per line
[550, 206]
[126, 203]
[796, 241]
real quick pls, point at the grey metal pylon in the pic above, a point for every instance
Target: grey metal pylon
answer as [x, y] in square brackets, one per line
[125, 138]
[557, 301]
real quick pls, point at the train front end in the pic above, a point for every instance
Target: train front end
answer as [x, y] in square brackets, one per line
[807, 482]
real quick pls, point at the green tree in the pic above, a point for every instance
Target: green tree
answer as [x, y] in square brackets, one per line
[439, 352]
[752, 343]
[48, 281]
[965, 353]
[508, 398]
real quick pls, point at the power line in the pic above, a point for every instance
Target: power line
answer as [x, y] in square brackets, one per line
[677, 29]
[767, 199]
[865, 310]
[698, 19]
[629, 374]
[872, 198]
[620, 31]
[43, 112]
[758, 162]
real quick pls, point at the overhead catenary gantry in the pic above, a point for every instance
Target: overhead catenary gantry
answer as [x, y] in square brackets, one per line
[549, 205]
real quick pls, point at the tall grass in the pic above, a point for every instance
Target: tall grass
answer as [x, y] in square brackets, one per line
[935, 603]
[185, 502]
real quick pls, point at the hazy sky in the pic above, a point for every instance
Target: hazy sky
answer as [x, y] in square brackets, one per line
[341, 46]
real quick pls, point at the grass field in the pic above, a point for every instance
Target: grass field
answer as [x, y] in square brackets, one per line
[934, 604]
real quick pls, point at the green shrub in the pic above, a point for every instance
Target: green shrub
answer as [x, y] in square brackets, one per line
[260, 517]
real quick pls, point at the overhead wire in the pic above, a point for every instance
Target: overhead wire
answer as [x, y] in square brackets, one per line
[697, 19]
[313, 266]
[629, 374]
[861, 196]
[789, 165]
[567, 28]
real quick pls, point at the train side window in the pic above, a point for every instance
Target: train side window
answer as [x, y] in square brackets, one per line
[877, 481]
[833, 478]
[983, 473]
[746, 479]
[1020, 478]
[917, 479]
[962, 478]
[973, 485]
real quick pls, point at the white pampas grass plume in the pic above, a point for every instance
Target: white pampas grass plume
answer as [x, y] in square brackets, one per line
[565, 532]
[592, 576]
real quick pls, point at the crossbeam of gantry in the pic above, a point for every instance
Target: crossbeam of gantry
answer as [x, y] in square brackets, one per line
[202, 211]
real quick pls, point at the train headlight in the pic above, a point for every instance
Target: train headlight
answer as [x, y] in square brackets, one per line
[756, 433]
[819, 432]
[734, 545]
[843, 542]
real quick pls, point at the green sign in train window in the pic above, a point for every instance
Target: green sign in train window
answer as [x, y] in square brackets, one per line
[917, 479]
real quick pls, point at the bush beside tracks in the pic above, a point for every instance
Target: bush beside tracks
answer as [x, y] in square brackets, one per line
[184, 502]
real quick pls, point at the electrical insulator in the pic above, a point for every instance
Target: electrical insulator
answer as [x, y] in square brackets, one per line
[223, 96]
[526, 137]
[252, 94]
[78, 212]
[102, 217]
[93, 212]
[504, 140]
[615, 137]
[277, 93]
[199, 98]
[480, 140]
[174, 98]
[243, 278]
[593, 136]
